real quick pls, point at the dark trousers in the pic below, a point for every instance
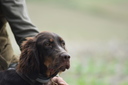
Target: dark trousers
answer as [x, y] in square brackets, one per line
[6, 52]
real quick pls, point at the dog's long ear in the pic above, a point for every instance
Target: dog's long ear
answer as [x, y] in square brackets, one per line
[29, 59]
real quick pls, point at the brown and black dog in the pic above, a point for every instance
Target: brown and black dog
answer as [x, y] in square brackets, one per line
[42, 58]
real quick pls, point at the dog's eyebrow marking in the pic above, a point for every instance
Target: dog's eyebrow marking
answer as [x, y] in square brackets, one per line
[61, 39]
[51, 40]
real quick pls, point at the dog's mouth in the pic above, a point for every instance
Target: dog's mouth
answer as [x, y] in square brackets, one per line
[58, 68]
[64, 67]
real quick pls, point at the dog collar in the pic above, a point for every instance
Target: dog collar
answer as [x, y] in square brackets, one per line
[42, 81]
[31, 81]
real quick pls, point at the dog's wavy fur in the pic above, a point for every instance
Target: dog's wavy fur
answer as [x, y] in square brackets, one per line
[26, 64]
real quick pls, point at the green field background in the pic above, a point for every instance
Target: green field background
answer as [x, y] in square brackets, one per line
[96, 35]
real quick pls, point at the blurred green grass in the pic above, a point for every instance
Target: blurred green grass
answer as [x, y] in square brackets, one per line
[96, 35]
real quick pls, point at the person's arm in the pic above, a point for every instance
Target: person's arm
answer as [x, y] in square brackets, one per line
[15, 12]
[17, 16]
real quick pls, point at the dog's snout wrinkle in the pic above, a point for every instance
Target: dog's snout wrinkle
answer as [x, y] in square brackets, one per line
[61, 49]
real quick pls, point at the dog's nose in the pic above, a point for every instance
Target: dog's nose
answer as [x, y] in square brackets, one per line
[65, 56]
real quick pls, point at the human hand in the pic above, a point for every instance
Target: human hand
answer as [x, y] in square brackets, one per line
[59, 81]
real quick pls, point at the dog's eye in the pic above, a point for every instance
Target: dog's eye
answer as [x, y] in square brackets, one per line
[63, 43]
[48, 44]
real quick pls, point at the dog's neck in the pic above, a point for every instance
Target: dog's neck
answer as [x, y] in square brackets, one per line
[33, 78]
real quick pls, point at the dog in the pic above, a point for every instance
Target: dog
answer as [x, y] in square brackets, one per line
[42, 57]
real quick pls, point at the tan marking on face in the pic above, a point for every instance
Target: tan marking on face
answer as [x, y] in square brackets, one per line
[48, 73]
[61, 39]
[51, 40]
[48, 61]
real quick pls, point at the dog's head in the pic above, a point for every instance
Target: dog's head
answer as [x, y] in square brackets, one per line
[45, 54]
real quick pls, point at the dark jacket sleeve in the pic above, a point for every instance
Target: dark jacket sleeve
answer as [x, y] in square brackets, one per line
[15, 12]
